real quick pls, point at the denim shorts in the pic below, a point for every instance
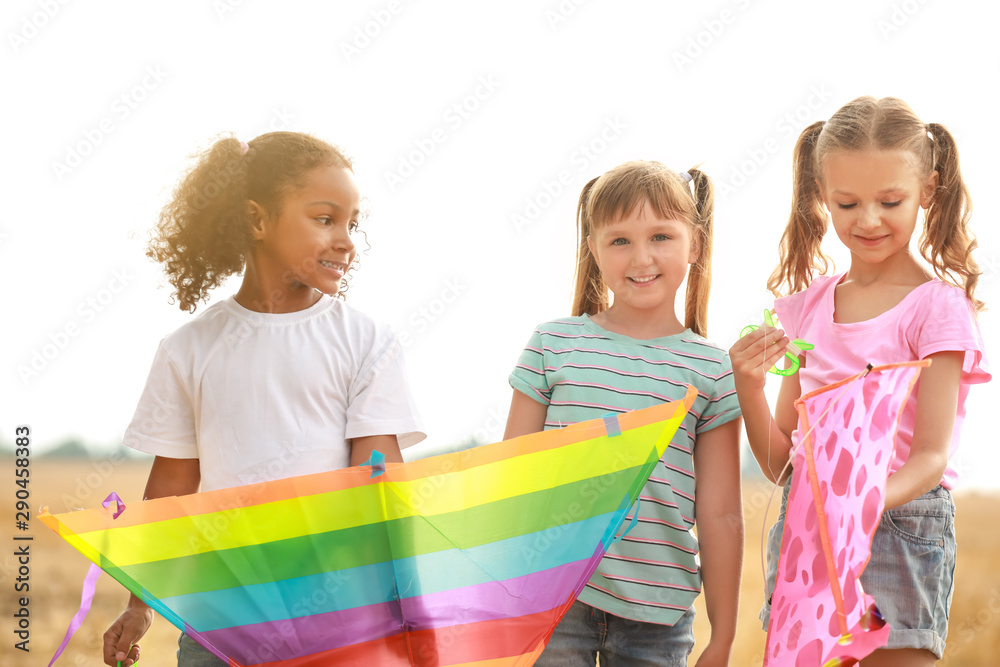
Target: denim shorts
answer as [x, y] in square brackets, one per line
[911, 573]
[586, 632]
[192, 654]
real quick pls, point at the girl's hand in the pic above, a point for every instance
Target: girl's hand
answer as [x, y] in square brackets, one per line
[752, 356]
[120, 639]
[714, 655]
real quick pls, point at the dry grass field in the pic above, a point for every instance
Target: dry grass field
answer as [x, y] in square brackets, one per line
[57, 573]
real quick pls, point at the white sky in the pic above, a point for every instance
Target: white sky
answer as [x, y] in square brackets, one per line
[132, 91]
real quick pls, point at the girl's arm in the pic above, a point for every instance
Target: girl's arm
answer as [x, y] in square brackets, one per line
[719, 519]
[526, 416]
[937, 403]
[770, 438]
[167, 477]
[388, 445]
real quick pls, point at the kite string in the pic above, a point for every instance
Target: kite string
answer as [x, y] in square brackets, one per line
[791, 455]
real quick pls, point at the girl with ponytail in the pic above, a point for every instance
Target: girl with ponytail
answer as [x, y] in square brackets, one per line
[643, 229]
[280, 379]
[868, 171]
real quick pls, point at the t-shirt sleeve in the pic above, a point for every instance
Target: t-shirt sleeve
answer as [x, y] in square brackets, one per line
[164, 421]
[380, 401]
[722, 405]
[789, 312]
[946, 323]
[528, 376]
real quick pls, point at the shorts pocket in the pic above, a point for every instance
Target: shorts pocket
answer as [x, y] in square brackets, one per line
[927, 520]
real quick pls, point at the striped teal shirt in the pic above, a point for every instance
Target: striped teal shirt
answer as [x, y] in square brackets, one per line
[581, 371]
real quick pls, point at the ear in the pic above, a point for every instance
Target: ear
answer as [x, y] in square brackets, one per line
[257, 217]
[929, 188]
[590, 246]
[822, 194]
[694, 253]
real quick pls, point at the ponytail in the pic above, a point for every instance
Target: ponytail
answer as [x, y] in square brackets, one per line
[590, 292]
[800, 252]
[699, 280]
[204, 232]
[946, 242]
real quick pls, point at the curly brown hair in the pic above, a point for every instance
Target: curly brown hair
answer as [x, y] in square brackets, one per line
[205, 232]
[881, 124]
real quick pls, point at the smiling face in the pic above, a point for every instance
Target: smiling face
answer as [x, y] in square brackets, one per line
[643, 259]
[873, 198]
[308, 243]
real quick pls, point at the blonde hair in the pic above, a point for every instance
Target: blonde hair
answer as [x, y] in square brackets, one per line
[867, 124]
[205, 231]
[612, 196]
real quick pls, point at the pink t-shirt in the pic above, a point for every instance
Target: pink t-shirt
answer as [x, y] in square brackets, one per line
[934, 317]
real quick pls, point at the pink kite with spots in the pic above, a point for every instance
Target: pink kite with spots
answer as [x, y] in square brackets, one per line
[820, 616]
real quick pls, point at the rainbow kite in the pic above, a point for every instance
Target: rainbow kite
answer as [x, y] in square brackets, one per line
[819, 613]
[468, 558]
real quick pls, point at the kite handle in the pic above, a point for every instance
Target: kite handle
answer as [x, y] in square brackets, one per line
[631, 524]
[792, 350]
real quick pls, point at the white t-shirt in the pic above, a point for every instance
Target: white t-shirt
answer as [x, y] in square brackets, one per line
[262, 396]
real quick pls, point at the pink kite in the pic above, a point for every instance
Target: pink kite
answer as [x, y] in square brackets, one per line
[820, 616]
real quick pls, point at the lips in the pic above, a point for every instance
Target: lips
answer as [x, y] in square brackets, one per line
[871, 240]
[337, 267]
[642, 280]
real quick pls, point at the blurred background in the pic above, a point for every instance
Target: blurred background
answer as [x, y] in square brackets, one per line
[473, 128]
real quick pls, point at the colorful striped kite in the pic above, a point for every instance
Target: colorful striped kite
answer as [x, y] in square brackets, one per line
[820, 615]
[468, 558]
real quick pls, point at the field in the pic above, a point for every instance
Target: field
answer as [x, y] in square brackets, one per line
[57, 572]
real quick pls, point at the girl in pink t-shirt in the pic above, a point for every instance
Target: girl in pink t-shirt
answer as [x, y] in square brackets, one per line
[869, 170]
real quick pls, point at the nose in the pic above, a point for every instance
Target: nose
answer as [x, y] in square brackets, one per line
[641, 254]
[342, 240]
[868, 217]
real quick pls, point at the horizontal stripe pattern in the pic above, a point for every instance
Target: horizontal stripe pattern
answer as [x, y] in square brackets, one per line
[581, 371]
[516, 542]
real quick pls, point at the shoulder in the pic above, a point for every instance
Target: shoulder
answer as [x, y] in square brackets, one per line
[817, 290]
[205, 328]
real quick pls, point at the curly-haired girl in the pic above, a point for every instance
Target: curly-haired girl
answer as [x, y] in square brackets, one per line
[280, 379]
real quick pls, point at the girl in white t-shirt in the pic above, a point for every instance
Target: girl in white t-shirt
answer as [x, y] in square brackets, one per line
[280, 379]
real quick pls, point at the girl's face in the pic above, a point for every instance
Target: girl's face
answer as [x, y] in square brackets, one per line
[309, 242]
[873, 198]
[644, 258]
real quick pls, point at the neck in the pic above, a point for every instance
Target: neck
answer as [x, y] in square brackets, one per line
[900, 269]
[643, 324]
[262, 294]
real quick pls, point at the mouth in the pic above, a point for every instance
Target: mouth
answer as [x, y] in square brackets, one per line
[642, 280]
[872, 240]
[338, 268]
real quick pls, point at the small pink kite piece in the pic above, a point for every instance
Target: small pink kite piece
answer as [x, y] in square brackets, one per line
[820, 615]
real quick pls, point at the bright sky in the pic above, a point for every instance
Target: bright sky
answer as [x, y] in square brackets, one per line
[473, 127]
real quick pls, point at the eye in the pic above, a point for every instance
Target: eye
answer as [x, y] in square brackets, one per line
[620, 242]
[662, 237]
[846, 206]
[352, 226]
[325, 220]
[891, 204]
